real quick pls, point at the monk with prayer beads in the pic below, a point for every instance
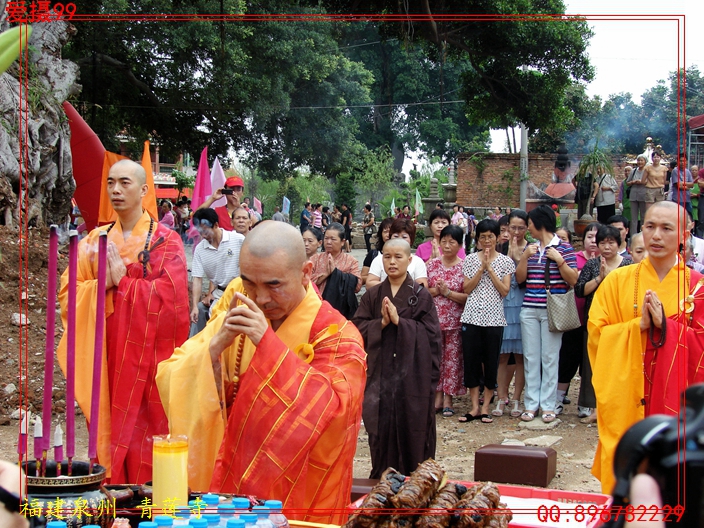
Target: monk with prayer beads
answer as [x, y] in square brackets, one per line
[646, 334]
[146, 317]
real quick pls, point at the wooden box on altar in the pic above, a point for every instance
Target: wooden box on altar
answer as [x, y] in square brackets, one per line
[531, 466]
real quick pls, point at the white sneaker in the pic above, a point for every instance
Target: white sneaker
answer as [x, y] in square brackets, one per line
[559, 408]
[583, 412]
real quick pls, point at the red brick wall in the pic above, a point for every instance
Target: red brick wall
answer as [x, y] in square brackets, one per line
[498, 183]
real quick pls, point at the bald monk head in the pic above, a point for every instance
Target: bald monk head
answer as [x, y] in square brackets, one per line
[664, 230]
[274, 269]
[127, 184]
[396, 259]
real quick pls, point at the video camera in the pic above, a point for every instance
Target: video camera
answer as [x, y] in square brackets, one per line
[671, 449]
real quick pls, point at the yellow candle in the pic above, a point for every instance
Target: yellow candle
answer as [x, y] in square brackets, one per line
[170, 471]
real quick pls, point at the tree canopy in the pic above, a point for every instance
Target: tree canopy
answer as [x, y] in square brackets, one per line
[518, 66]
[323, 94]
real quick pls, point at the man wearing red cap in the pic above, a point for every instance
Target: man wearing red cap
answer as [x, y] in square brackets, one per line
[234, 184]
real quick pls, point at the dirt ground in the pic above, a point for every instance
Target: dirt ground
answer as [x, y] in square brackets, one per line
[456, 442]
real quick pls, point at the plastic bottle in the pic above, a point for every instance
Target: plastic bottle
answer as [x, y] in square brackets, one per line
[56, 524]
[241, 506]
[263, 520]
[235, 523]
[148, 524]
[197, 508]
[213, 519]
[163, 520]
[277, 518]
[226, 512]
[212, 502]
[183, 514]
[250, 519]
[198, 523]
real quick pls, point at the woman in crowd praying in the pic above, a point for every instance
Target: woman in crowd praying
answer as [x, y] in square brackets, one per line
[487, 280]
[336, 273]
[608, 239]
[511, 345]
[574, 342]
[446, 282]
[430, 249]
[541, 348]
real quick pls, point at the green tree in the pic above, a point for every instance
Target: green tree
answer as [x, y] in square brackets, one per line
[183, 181]
[375, 174]
[518, 69]
[275, 91]
[415, 97]
[345, 192]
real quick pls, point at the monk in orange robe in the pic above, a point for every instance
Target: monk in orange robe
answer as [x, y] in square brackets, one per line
[638, 372]
[146, 314]
[270, 392]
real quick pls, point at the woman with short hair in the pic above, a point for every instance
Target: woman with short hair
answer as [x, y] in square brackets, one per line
[400, 228]
[541, 348]
[336, 273]
[430, 249]
[445, 284]
[487, 280]
[381, 237]
[608, 239]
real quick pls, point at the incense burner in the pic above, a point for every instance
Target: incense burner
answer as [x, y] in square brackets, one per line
[79, 499]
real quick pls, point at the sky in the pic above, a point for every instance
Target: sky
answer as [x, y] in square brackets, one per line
[632, 55]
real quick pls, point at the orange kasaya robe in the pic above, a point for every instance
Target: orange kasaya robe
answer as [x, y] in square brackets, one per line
[291, 432]
[146, 319]
[619, 354]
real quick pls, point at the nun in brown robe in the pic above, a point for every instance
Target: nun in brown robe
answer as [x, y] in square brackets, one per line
[403, 369]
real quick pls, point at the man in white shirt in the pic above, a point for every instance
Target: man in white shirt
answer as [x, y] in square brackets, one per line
[217, 258]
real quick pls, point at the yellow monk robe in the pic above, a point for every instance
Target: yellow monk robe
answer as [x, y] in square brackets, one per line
[291, 432]
[146, 318]
[618, 350]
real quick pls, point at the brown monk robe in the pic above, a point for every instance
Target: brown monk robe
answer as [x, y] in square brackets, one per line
[402, 337]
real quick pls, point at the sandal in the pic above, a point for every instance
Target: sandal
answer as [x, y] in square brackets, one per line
[448, 411]
[485, 418]
[500, 406]
[516, 411]
[467, 418]
[549, 417]
[527, 416]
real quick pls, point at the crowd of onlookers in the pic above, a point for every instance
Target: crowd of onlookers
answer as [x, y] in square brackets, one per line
[489, 280]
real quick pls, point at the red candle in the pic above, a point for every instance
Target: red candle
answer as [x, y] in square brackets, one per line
[71, 346]
[98, 349]
[50, 329]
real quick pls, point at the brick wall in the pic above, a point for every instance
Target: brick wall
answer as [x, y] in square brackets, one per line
[498, 181]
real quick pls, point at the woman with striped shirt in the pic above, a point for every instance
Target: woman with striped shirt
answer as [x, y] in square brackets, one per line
[541, 348]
